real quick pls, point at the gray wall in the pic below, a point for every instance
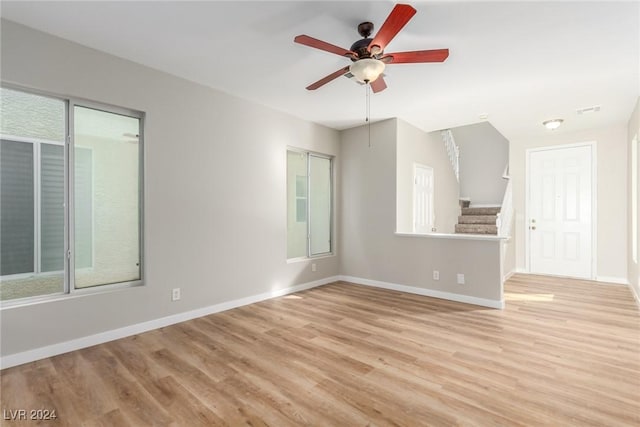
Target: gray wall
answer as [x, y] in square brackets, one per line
[416, 146]
[369, 247]
[214, 227]
[633, 129]
[484, 153]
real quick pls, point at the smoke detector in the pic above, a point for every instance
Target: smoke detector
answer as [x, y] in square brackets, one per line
[586, 110]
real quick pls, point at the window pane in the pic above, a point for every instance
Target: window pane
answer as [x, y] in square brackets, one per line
[32, 194]
[301, 186]
[301, 198]
[320, 205]
[83, 198]
[16, 210]
[301, 210]
[31, 116]
[107, 198]
[296, 213]
[52, 207]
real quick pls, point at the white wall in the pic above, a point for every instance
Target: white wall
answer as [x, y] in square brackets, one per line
[484, 153]
[369, 247]
[416, 146]
[611, 193]
[633, 129]
[215, 201]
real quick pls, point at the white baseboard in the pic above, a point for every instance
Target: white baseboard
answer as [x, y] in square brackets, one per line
[635, 294]
[425, 292]
[610, 279]
[603, 279]
[91, 340]
[508, 275]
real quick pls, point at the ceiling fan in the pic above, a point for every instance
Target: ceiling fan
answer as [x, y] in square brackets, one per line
[367, 54]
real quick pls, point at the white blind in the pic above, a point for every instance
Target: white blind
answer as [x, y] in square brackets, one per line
[51, 207]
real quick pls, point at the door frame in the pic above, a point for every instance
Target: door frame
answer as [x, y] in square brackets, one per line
[594, 200]
[413, 201]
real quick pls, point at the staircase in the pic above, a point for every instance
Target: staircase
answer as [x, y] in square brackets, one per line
[453, 151]
[478, 220]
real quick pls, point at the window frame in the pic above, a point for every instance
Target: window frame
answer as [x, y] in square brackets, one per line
[331, 159]
[75, 102]
[69, 289]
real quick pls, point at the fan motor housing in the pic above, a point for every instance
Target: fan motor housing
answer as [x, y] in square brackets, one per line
[361, 48]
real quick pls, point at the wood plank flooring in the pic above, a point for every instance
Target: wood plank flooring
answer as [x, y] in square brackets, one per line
[563, 352]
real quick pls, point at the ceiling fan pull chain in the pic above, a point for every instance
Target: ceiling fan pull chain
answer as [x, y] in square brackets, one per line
[369, 111]
[366, 100]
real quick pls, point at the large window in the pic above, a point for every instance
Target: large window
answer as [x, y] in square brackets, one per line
[309, 201]
[70, 198]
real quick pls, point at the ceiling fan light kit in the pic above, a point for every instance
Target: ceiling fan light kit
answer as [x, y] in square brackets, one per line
[367, 70]
[367, 54]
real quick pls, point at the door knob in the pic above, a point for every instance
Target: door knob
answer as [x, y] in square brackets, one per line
[533, 227]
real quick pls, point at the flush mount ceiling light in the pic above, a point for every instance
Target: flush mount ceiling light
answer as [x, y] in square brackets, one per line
[552, 124]
[367, 70]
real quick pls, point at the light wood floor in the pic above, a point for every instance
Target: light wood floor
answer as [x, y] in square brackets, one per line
[563, 352]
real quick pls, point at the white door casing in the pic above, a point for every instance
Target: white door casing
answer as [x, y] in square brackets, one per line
[560, 211]
[423, 199]
[635, 178]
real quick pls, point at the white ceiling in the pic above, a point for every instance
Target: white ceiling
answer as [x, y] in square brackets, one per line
[520, 63]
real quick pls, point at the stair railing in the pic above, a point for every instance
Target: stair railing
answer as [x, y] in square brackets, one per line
[453, 151]
[504, 218]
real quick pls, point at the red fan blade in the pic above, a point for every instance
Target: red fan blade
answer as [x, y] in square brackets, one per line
[436, 55]
[378, 85]
[319, 44]
[398, 18]
[325, 80]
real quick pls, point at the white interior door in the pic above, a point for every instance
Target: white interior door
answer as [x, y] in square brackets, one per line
[560, 211]
[423, 215]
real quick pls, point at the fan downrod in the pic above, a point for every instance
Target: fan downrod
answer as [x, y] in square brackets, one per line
[361, 47]
[365, 29]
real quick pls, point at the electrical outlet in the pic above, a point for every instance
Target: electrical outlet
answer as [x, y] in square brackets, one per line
[314, 267]
[436, 275]
[175, 294]
[460, 279]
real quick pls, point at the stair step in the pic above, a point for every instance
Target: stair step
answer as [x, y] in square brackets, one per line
[481, 211]
[476, 229]
[477, 219]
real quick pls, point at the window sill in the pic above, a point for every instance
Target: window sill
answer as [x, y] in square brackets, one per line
[78, 293]
[313, 258]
